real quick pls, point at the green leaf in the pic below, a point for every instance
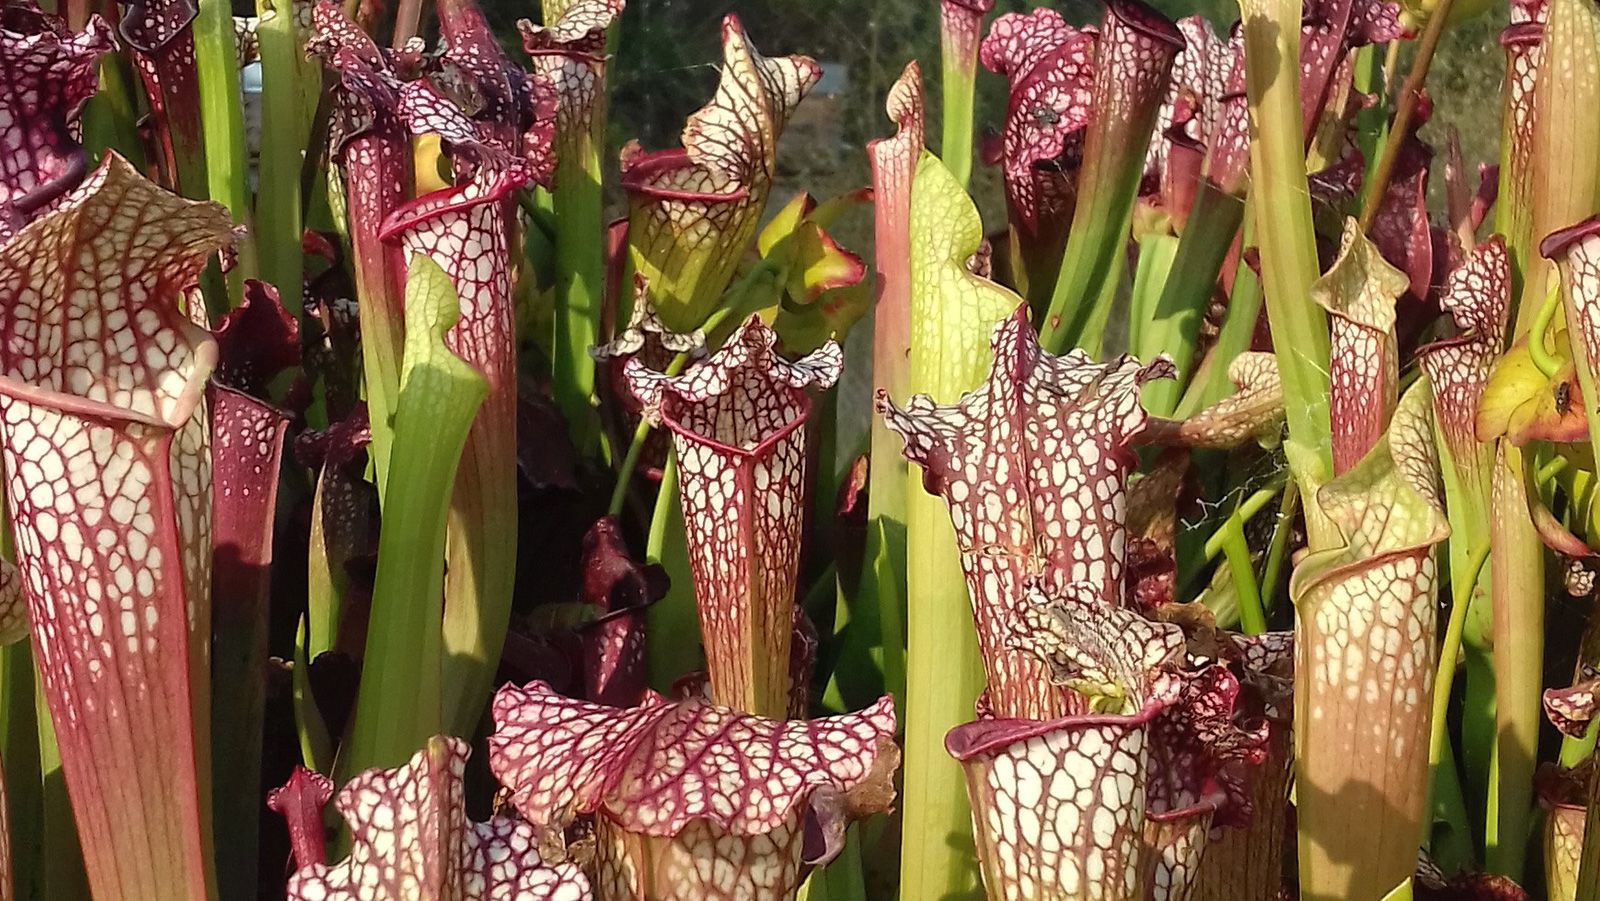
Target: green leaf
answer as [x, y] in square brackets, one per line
[278, 217]
[398, 702]
[953, 312]
[1282, 208]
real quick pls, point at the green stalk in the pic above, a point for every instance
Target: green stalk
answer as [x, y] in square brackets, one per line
[673, 619]
[398, 705]
[222, 124]
[1252, 619]
[110, 117]
[960, 27]
[1137, 47]
[64, 873]
[1146, 335]
[1243, 513]
[952, 315]
[1210, 383]
[1286, 240]
[1371, 122]
[1517, 585]
[875, 637]
[316, 746]
[1565, 171]
[580, 263]
[1463, 587]
[1278, 547]
[278, 215]
[1207, 236]
[19, 768]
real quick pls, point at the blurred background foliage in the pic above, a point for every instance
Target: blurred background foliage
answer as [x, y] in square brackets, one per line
[665, 68]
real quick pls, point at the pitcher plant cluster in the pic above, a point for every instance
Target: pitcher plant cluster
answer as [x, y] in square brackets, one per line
[419, 501]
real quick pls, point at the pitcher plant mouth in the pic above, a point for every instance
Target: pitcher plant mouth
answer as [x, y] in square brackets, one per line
[103, 395]
[665, 782]
[1124, 796]
[738, 420]
[1136, 551]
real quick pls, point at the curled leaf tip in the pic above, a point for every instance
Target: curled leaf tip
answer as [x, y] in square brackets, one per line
[1253, 411]
[1359, 291]
[695, 209]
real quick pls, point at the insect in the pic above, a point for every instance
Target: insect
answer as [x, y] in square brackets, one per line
[1044, 116]
[1563, 397]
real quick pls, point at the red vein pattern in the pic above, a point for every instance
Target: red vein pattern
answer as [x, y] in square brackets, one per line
[101, 399]
[1561, 794]
[1365, 647]
[1193, 109]
[1203, 762]
[49, 73]
[960, 27]
[7, 880]
[1033, 466]
[1576, 250]
[1359, 293]
[1253, 411]
[1329, 30]
[370, 145]
[694, 210]
[410, 838]
[1564, 829]
[1246, 863]
[738, 421]
[1059, 805]
[13, 605]
[465, 229]
[894, 163]
[1136, 50]
[161, 35]
[1188, 753]
[300, 802]
[1049, 66]
[1477, 295]
[1572, 709]
[255, 342]
[656, 346]
[690, 800]
[569, 54]
[1524, 48]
